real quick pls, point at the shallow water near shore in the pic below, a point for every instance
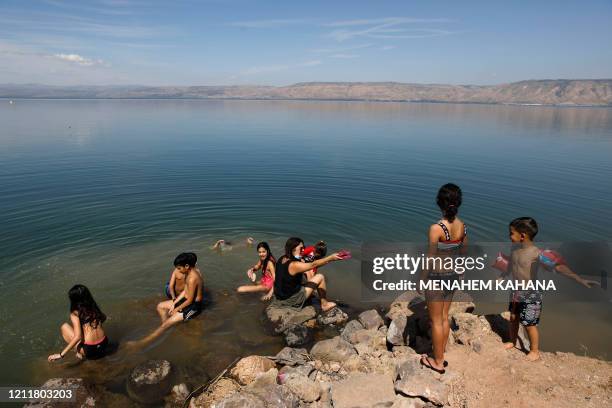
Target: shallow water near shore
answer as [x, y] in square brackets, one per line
[107, 192]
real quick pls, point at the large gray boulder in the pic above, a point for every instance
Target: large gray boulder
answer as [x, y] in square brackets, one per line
[150, 382]
[363, 390]
[334, 349]
[370, 319]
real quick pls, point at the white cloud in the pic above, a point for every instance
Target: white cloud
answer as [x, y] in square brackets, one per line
[386, 28]
[79, 60]
[270, 23]
[386, 20]
[341, 49]
[310, 63]
[345, 56]
[388, 47]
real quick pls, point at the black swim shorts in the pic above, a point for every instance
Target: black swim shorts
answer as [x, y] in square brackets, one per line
[527, 305]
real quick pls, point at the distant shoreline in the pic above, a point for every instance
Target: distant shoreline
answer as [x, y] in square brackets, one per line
[535, 105]
[559, 92]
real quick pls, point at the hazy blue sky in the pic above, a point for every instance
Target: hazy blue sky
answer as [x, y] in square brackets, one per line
[256, 42]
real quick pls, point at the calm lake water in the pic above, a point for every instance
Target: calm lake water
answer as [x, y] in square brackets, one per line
[107, 192]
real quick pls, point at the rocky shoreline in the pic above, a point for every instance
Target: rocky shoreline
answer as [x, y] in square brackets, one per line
[374, 362]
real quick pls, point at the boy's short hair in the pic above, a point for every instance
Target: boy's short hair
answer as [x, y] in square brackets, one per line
[320, 249]
[186, 258]
[525, 225]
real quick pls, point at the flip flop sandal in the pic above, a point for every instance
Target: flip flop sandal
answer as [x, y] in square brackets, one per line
[425, 362]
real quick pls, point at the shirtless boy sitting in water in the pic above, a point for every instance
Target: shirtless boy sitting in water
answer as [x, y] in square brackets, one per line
[188, 304]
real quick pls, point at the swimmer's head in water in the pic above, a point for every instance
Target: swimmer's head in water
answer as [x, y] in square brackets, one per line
[294, 247]
[186, 260]
[85, 306]
[449, 200]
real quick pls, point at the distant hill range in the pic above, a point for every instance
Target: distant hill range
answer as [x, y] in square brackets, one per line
[545, 92]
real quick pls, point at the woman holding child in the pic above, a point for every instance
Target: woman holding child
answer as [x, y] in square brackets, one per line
[289, 288]
[447, 237]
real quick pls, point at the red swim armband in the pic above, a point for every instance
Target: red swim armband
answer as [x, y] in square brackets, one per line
[501, 262]
[550, 259]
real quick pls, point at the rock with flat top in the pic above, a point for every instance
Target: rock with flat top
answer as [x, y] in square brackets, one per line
[282, 318]
[334, 349]
[363, 390]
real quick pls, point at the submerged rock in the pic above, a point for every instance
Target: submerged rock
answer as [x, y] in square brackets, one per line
[86, 395]
[296, 336]
[149, 382]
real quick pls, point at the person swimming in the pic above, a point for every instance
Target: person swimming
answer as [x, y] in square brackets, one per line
[85, 333]
[223, 245]
[266, 264]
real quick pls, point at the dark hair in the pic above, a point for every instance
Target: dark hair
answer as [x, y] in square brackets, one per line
[186, 258]
[83, 303]
[320, 249]
[269, 256]
[525, 225]
[449, 200]
[291, 244]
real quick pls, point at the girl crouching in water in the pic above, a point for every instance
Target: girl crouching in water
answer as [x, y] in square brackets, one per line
[86, 332]
[267, 266]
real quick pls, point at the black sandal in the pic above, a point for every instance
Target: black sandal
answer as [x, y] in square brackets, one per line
[427, 363]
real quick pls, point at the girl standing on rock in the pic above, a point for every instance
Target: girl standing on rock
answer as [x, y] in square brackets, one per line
[267, 266]
[447, 237]
[85, 332]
